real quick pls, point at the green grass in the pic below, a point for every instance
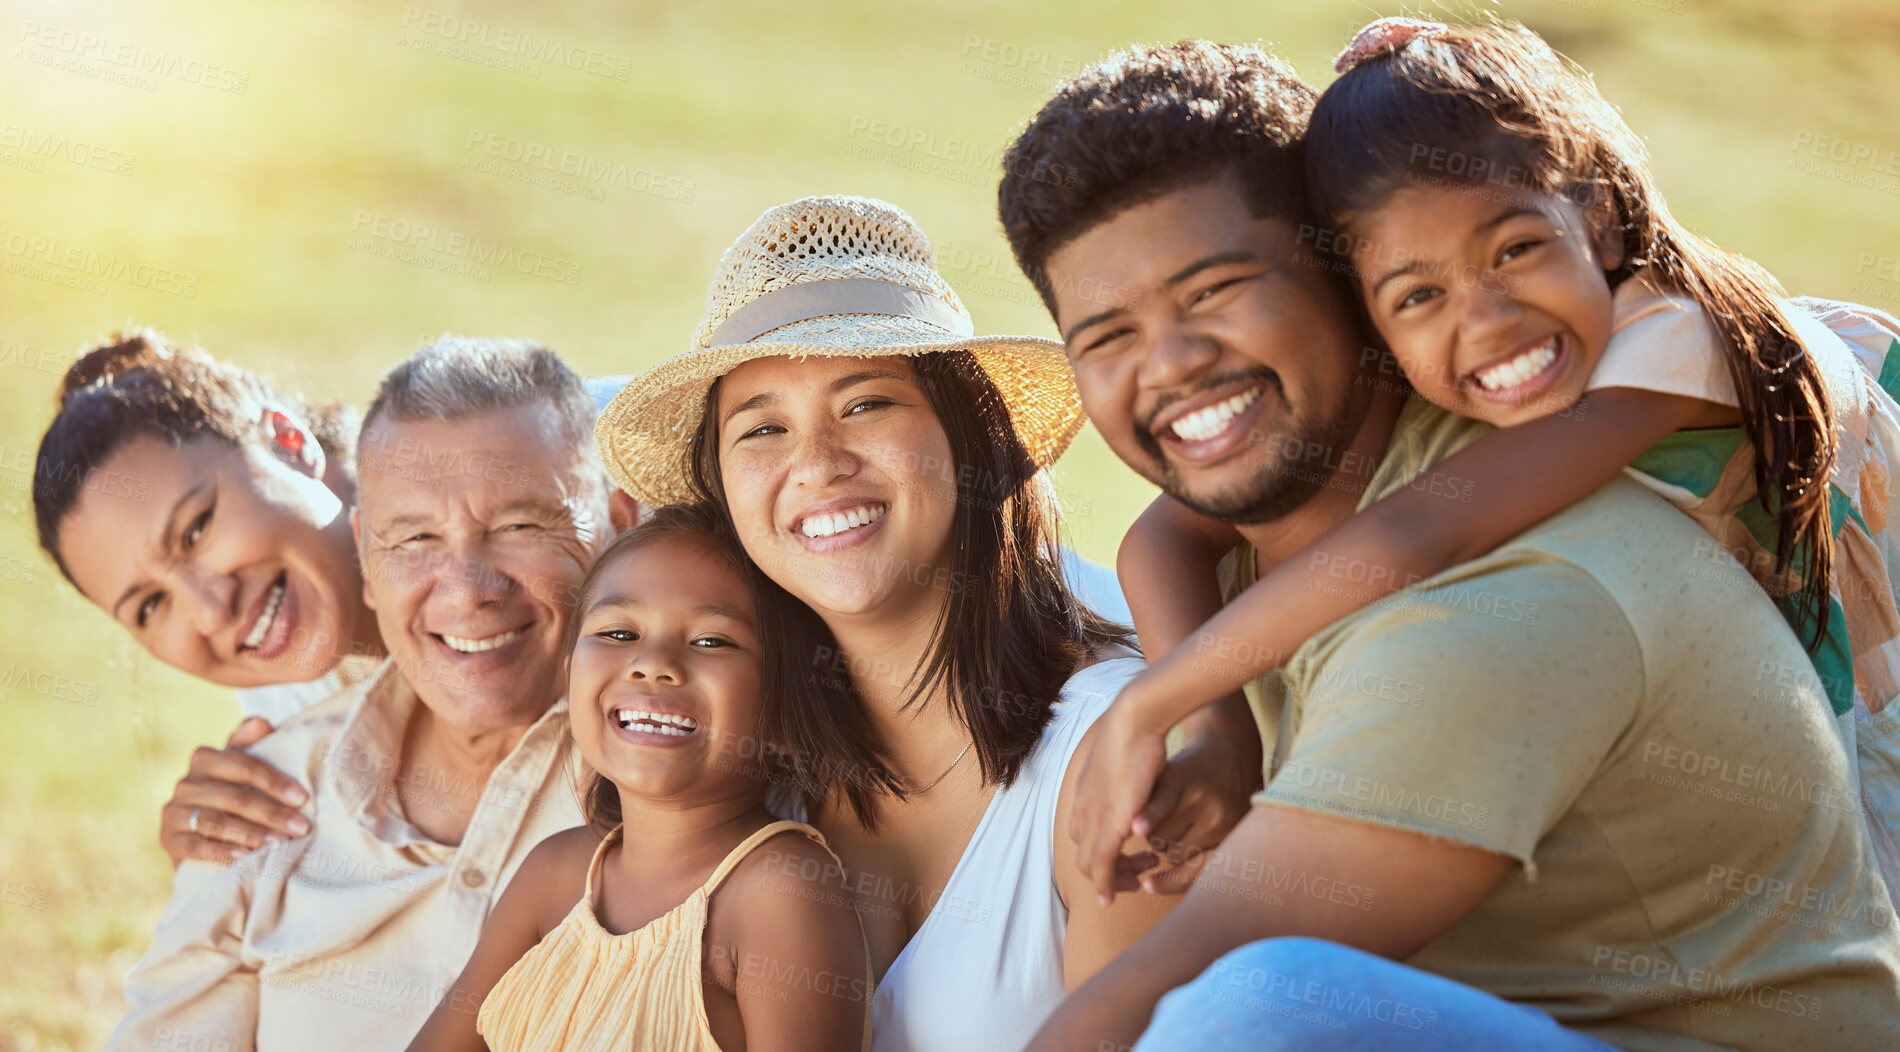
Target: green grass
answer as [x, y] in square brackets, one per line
[255, 195]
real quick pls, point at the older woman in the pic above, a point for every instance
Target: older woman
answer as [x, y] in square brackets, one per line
[934, 677]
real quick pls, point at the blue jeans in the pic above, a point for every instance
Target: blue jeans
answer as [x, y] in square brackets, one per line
[1296, 993]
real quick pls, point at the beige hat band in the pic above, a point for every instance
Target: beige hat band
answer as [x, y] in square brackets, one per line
[818, 299]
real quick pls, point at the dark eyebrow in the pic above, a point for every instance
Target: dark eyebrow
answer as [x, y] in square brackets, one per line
[1485, 227]
[854, 379]
[627, 602]
[1508, 213]
[1219, 259]
[168, 530]
[757, 401]
[1414, 267]
[765, 398]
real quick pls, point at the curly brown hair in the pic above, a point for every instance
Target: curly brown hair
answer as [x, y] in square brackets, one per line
[136, 382]
[1148, 121]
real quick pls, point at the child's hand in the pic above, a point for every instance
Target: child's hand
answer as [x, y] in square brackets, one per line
[1205, 790]
[1117, 778]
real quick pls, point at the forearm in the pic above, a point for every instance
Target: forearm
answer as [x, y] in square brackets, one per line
[1366, 559]
[1113, 1008]
[1492, 490]
[1168, 565]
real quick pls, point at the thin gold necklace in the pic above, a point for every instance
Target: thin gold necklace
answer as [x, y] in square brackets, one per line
[946, 771]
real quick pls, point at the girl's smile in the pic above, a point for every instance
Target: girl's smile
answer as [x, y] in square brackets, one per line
[665, 673]
[1496, 304]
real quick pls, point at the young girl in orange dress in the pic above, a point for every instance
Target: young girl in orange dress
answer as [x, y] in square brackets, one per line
[699, 921]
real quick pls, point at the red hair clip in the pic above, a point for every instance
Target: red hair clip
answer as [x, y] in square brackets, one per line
[289, 435]
[1387, 34]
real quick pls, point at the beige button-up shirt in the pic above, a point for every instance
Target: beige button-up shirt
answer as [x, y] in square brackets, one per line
[348, 937]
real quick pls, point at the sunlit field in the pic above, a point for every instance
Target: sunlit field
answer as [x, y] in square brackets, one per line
[296, 186]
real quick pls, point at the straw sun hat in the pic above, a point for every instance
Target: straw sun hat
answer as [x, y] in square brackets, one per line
[831, 277]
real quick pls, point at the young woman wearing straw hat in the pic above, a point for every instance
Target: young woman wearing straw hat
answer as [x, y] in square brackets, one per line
[932, 675]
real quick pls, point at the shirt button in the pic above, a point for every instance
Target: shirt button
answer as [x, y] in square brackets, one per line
[473, 878]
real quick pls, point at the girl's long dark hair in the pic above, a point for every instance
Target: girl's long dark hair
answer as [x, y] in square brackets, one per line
[137, 383]
[1473, 107]
[1008, 636]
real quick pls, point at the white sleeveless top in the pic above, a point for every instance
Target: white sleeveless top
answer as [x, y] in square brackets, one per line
[985, 968]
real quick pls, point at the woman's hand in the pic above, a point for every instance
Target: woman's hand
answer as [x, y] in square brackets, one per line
[1124, 760]
[230, 803]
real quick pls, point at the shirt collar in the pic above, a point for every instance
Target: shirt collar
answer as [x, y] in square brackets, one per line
[361, 767]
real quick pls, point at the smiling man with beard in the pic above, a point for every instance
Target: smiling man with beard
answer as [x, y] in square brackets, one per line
[481, 503]
[1503, 807]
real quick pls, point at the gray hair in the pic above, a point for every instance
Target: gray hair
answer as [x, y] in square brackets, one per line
[457, 377]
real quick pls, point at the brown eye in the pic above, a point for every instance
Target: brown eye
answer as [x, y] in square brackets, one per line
[197, 528]
[148, 607]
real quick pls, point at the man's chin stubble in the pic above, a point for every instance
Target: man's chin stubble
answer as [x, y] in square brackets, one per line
[1277, 489]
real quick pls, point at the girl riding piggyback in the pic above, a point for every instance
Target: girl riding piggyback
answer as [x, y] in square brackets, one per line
[1510, 247]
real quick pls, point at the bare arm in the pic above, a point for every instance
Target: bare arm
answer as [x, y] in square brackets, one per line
[1468, 504]
[528, 909]
[802, 969]
[1167, 567]
[1474, 500]
[1168, 564]
[1422, 886]
[1097, 931]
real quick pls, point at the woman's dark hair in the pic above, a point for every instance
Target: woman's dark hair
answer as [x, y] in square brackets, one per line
[1143, 123]
[1492, 107]
[695, 522]
[1008, 637]
[137, 383]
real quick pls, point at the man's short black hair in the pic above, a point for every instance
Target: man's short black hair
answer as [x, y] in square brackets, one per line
[1148, 121]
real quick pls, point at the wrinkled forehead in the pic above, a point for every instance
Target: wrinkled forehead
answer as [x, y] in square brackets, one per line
[485, 465]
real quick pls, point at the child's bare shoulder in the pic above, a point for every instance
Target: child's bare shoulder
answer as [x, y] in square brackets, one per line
[555, 872]
[569, 849]
[788, 872]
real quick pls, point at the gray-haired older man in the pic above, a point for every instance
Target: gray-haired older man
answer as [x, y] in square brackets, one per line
[481, 503]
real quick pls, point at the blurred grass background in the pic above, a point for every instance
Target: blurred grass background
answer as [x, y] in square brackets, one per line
[256, 165]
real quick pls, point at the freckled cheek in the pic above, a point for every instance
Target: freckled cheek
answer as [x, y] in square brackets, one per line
[749, 500]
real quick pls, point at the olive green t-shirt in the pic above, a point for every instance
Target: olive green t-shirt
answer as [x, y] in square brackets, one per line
[1649, 743]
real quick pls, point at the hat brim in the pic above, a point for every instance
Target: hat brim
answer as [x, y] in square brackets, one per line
[646, 433]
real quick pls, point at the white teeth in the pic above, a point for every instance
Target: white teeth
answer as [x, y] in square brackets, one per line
[1509, 374]
[476, 646]
[265, 619]
[834, 524]
[1205, 423]
[662, 723]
